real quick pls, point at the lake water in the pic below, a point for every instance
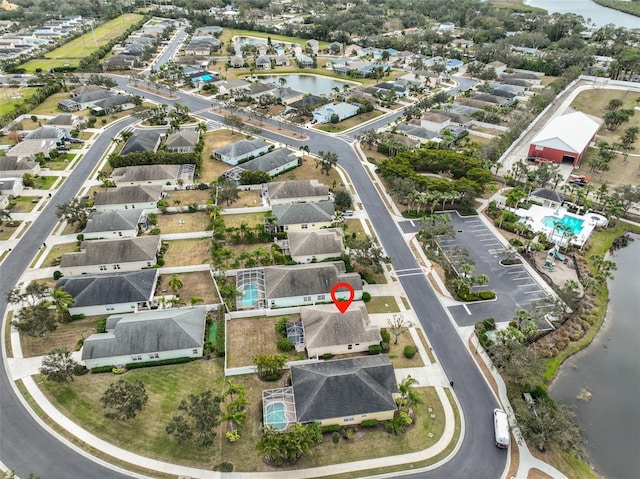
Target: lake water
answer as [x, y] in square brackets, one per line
[316, 85]
[588, 9]
[609, 370]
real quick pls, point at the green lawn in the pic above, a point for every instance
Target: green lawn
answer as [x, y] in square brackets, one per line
[9, 97]
[251, 219]
[24, 204]
[349, 122]
[71, 52]
[45, 182]
[229, 33]
[382, 304]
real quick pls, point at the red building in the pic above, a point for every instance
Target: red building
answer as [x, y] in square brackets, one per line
[564, 139]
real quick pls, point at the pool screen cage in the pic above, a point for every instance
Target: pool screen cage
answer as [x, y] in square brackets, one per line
[246, 277]
[283, 396]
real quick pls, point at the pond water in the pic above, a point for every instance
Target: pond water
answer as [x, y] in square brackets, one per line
[608, 370]
[316, 85]
[599, 15]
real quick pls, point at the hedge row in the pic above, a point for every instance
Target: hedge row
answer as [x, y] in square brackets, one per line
[162, 362]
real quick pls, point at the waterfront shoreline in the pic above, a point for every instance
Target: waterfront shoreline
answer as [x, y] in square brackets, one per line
[620, 6]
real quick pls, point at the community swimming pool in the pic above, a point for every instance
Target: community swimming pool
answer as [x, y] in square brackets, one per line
[571, 222]
[276, 415]
[250, 295]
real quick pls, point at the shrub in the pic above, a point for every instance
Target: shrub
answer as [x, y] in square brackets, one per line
[409, 351]
[226, 466]
[386, 335]
[335, 437]
[349, 433]
[79, 370]
[366, 297]
[487, 295]
[118, 370]
[75, 317]
[160, 261]
[271, 377]
[101, 369]
[330, 428]
[79, 344]
[489, 324]
[375, 349]
[162, 362]
[284, 344]
[281, 326]
[80, 237]
[327, 356]
[101, 326]
[369, 423]
[385, 346]
[57, 275]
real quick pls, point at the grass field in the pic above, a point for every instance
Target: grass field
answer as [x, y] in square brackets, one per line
[183, 222]
[10, 96]
[382, 304]
[71, 52]
[188, 251]
[66, 336]
[198, 284]
[24, 204]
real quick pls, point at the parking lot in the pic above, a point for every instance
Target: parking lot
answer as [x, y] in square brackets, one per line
[515, 288]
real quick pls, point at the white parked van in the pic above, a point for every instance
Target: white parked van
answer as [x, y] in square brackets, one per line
[501, 428]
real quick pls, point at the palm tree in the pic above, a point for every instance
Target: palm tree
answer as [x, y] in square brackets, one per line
[62, 300]
[201, 128]
[233, 388]
[195, 300]
[408, 396]
[175, 283]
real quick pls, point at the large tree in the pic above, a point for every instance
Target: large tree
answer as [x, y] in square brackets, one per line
[35, 320]
[58, 366]
[75, 211]
[367, 254]
[547, 424]
[326, 160]
[342, 199]
[123, 400]
[197, 419]
[225, 191]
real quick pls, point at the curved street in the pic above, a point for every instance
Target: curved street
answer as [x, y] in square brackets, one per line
[28, 448]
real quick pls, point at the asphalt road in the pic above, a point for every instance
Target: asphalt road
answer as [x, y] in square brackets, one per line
[24, 445]
[27, 448]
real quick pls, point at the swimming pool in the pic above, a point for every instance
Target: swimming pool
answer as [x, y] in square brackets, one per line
[250, 295]
[276, 415]
[573, 223]
[206, 77]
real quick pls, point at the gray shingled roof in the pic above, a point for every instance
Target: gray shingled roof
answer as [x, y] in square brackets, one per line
[125, 250]
[348, 387]
[296, 189]
[148, 332]
[241, 147]
[99, 221]
[325, 326]
[45, 133]
[320, 242]
[81, 90]
[270, 161]
[298, 213]
[128, 194]
[92, 96]
[183, 138]
[548, 194]
[145, 173]
[142, 140]
[63, 119]
[11, 164]
[307, 279]
[113, 101]
[115, 288]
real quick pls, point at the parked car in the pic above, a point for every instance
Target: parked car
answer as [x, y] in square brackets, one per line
[75, 140]
[63, 148]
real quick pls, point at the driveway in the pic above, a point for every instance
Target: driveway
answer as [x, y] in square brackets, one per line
[514, 286]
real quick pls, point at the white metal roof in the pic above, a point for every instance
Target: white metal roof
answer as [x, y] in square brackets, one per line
[571, 132]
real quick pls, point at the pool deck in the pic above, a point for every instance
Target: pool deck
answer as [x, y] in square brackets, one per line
[536, 214]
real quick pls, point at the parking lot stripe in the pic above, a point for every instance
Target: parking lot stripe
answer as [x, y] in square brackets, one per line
[466, 309]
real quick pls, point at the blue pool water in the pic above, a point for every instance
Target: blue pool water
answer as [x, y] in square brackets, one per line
[276, 416]
[250, 295]
[206, 77]
[575, 224]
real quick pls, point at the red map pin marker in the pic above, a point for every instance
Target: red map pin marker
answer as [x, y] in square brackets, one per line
[342, 304]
